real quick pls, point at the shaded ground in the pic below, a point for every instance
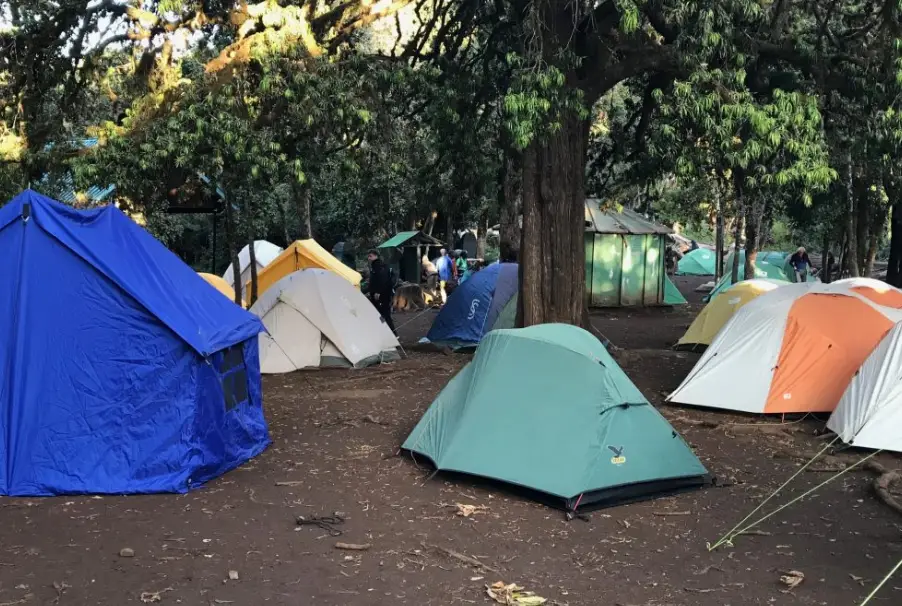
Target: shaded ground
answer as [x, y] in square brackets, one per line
[335, 439]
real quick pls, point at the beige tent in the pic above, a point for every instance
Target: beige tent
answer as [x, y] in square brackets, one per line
[264, 252]
[314, 317]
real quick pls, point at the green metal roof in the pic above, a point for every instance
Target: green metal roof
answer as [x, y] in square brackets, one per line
[624, 222]
[410, 238]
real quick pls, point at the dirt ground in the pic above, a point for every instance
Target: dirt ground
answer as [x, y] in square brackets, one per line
[335, 439]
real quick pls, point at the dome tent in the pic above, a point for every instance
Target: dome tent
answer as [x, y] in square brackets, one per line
[301, 254]
[698, 262]
[146, 380]
[789, 352]
[476, 307]
[221, 285]
[716, 313]
[317, 318]
[264, 253]
[546, 408]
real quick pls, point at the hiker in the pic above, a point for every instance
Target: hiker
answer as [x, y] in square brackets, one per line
[445, 272]
[380, 287]
[463, 267]
[801, 264]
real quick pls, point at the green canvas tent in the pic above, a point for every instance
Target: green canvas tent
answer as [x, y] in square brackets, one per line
[672, 294]
[547, 409]
[698, 262]
[624, 258]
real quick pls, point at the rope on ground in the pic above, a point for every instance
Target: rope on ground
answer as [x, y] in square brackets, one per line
[729, 536]
[882, 583]
[416, 317]
[807, 492]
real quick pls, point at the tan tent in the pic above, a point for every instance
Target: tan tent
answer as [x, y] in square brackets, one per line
[301, 254]
[222, 286]
[264, 253]
[315, 318]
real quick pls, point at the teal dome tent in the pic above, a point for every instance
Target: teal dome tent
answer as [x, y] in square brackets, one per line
[698, 262]
[547, 409]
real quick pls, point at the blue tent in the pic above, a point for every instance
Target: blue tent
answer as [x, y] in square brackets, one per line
[121, 370]
[474, 308]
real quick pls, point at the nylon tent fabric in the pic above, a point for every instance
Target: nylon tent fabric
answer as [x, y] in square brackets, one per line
[314, 317]
[546, 408]
[222, 286]
[508, 316]
[716, 313]
[763, 269]
[788, 351]
[127, 388]
[698, 262]
[672, 294]
[264, 253]
[302, 254]
[474, 306]
[869, 413]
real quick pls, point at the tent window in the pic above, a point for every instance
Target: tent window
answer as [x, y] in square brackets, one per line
[234, 376]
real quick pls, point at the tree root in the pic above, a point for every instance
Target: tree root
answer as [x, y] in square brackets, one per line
[885, 478]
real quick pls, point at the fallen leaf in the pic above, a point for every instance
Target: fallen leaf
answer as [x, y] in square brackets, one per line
[150, 597]
[792, 579]
[233, 575]
[465, 511]
[513, 595]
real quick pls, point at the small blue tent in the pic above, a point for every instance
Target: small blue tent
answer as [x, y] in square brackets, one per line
[475, 307]
[121, 370]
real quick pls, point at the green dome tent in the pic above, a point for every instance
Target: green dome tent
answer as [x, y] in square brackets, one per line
[763, 269]
[698, 262]
[672, 294]
[547, 409]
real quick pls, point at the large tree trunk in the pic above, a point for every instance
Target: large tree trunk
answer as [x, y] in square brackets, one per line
[719, 234]
[862, 222]
[851, 232]
[449, 230]
[510, 195]
[286, 227]
[877, 227]
[429, 224]
[825, 259]
[231, 242]
[552, 253]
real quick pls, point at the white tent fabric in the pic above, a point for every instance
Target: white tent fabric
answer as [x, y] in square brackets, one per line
[316, 318]
[746, 350]
[264, 252]
[869, 414]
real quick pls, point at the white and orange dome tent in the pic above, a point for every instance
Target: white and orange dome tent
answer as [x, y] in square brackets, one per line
[794, 349]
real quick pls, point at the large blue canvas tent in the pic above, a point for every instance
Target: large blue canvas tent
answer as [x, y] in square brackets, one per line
[121, 370]
[477, 305]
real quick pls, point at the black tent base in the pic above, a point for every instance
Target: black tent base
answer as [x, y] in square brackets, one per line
[589, 501]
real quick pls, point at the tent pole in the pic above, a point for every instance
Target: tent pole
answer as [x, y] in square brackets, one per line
[882, 583]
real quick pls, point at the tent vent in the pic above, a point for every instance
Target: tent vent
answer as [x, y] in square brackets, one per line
[26, 211]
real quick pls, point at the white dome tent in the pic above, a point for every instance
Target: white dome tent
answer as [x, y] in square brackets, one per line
[313, 318]
[869, 414]
[264, 253]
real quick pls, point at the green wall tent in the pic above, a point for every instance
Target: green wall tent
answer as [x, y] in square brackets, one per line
[404, 252]
[624, 258]
[698, 262]
[547, 409]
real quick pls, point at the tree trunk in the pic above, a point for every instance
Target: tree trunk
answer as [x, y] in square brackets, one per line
[719, 235]
[283, 219]
[302, 201]
[253, 260]
[737, 238]
[877, 227]
[233, 249]
[851, 240]
[429, 224]
[862, 223]
[752, 229]
[449, 230]
[894, 270]
[825, 259]
[510, 194]
[481, 236]
[552, 253]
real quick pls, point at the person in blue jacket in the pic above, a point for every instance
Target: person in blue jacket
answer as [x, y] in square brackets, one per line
[445, 267]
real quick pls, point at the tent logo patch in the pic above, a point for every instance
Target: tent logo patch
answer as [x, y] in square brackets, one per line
[474, 306]
[618, 458]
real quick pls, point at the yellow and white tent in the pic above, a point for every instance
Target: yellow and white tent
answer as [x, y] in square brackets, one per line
[221, 285]
[302, 254]
[721, 308]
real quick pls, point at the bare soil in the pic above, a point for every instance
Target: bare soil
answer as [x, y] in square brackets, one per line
[335, 449]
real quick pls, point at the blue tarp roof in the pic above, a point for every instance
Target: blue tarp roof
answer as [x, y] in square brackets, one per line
[141, 266]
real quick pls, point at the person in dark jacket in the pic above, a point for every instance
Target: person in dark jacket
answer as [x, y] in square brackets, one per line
[801, 264]
[380, 288]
